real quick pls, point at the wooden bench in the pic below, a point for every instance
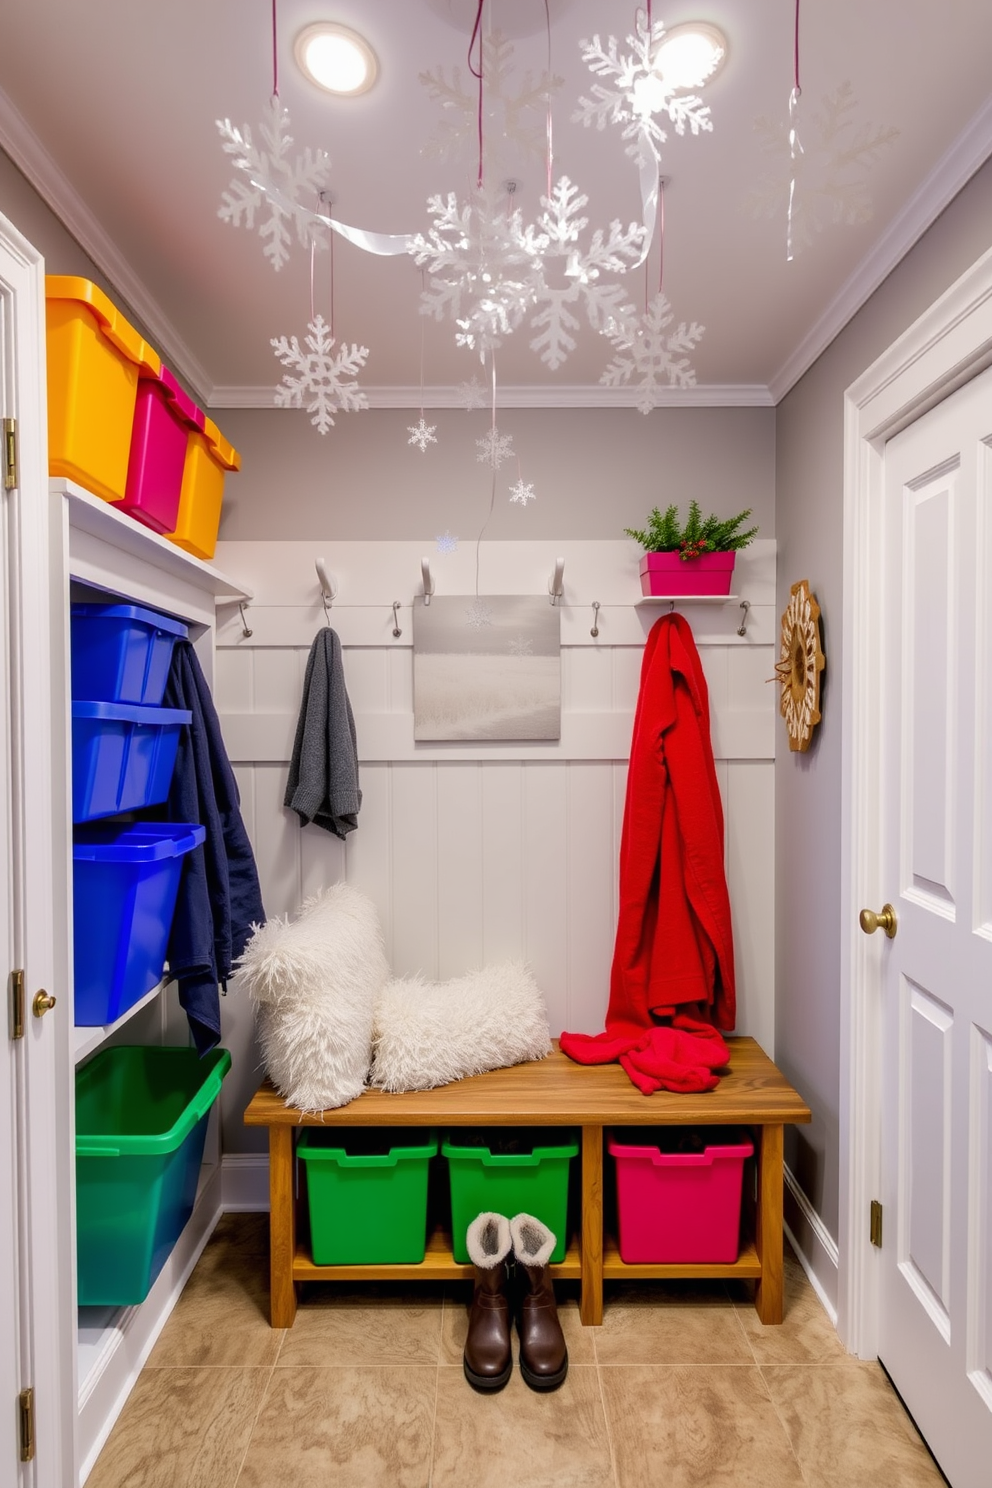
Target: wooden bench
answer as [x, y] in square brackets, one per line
[551, 1092]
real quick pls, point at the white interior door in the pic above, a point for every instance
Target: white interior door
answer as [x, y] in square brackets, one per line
[935, 1324]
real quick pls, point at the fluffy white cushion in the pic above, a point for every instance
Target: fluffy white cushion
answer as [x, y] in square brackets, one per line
[427, 1033]
[314, 981]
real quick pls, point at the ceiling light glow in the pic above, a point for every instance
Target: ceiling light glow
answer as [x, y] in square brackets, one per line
[691, 54]
[336, 58]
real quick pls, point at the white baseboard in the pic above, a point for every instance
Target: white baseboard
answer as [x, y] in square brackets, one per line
[815, 1247]
[244, 1184]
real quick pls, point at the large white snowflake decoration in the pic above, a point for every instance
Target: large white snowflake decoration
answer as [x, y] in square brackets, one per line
[478, 256]
[581, 281]
[471, 394]
[514, 113]
[648, 353]
[274, 183]
[522, 493]
[494, 448]
[826, 177]
[422, 434]
[636, 95]
[326, 382]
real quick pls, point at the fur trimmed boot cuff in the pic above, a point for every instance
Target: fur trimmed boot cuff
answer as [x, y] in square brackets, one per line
[533, 1242]
[488, 1240]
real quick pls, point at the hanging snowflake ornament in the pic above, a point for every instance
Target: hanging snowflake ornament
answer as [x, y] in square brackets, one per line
[565, 276]
[422, 434]
[325, 384]
[494, 448]
[648, 353]
[469, 395]
[447, 542]
[520, 646]
[514, 110]
[478, 615]
[522, 493]
[826, 178]
[478, 256]
[273, 185]
[635, 95]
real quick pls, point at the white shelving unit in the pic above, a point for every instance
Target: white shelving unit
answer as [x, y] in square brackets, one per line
[97, 548]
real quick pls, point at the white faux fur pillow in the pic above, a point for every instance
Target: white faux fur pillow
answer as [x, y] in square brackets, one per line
[314, 981]
[427, 1033]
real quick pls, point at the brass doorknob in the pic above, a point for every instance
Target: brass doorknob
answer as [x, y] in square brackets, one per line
[884, 920]
[43, 1003]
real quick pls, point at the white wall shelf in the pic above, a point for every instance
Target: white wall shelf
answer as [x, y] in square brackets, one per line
[88, 1040]
[685, 599]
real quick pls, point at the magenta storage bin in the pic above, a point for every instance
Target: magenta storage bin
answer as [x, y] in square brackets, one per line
[164, 417]
[676, 1206]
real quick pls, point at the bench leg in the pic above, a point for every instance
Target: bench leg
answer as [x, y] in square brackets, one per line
[591, 1304]
[282, 1228]
[769, 1296]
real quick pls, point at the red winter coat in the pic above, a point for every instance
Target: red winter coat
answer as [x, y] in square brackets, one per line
[673, 958]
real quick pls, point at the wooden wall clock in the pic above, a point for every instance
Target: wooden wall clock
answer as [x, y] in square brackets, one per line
[799, 667]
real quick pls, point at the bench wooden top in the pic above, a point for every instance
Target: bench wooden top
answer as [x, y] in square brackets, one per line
[558, 1092]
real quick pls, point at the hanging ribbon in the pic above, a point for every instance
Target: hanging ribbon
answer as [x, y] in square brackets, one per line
[795, 145]
[275, 53]
[550, 151]
[476, 36]
[386, 245]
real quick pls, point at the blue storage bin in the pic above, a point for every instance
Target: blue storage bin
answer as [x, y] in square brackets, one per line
[125, 881]
[121, 653]
[123, 756]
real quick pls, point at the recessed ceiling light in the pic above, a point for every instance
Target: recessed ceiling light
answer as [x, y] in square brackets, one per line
[336, 58]
[691, 54]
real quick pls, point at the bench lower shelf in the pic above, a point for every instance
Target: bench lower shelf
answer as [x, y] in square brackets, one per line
[439, 1264]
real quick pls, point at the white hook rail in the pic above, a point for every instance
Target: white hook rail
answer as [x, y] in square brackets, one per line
[556, 585]
[429, 582]
[328, 587]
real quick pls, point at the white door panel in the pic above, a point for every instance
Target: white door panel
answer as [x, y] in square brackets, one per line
[936, 851]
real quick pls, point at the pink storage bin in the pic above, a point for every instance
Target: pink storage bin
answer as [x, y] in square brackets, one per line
[679, 1206]
[164, 418]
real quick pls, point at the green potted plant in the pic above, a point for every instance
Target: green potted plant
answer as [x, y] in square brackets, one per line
[695, 557]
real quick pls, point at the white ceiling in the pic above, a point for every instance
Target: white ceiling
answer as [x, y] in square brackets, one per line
[110, 108]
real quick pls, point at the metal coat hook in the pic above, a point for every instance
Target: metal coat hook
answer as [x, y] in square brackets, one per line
[595, 619]
[396, 619]
[245, 631]
[556, 586]
[429, 585]
[328, 587]
[745, 606]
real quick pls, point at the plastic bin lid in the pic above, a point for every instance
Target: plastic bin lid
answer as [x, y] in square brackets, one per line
[116, 329]
[184, 407]
[222, 451]
[132, 713]
[130, 612]
[333, 1147]
[115, 1143]
[138, 842]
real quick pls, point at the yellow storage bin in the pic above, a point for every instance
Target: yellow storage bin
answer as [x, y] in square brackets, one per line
[95, 358]
[208, 459]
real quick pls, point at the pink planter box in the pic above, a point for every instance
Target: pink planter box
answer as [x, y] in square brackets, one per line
[164, 418]
[679, 1206]
[670, 573]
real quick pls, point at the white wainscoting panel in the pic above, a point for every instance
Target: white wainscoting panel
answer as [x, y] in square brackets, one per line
[475, 853]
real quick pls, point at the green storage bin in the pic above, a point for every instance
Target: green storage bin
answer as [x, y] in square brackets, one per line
[533, 1181]
[367, 1190]
[141, 1121]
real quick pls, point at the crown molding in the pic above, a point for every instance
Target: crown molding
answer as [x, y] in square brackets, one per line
[952, 172]
[34, 162]
[575, 395]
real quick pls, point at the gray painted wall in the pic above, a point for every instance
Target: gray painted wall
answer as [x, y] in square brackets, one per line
[809, 528]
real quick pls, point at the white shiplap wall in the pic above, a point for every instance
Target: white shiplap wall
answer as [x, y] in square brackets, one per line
[477, 853]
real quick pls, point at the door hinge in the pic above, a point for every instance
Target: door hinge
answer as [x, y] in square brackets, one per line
[17, 1004]
[875, 1233]
[9, 454]
[25, 1413]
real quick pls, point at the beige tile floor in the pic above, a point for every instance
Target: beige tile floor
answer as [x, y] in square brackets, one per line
[681, 1387]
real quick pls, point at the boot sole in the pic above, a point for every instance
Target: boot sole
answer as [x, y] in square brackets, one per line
[543, 1381]
[488, 1384]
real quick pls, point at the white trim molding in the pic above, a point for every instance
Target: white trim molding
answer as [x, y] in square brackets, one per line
[949, 344]
[244, 1182]
[565, 395]
[816, 1249]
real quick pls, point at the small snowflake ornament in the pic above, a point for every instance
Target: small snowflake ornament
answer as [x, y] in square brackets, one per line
[521, 646]
[494, 448]
[478, 615]
[326, 382]
[422, 434]
[273, 183]
[471, 394]
[647, 352]
[447, 542]
[522, 493]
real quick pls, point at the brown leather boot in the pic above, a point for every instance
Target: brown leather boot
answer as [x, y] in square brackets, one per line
[543, 1355]
[488, 1359]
